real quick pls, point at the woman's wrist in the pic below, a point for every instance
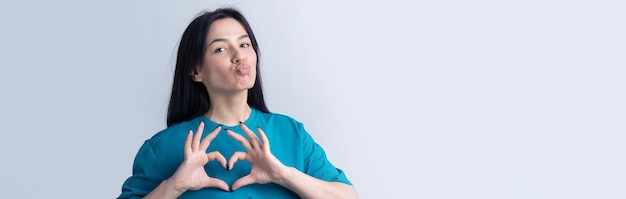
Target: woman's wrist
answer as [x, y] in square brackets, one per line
[167, 189]
[284, 175]
[173, 187]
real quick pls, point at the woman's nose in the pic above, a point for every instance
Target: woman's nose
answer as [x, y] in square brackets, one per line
[238, 56]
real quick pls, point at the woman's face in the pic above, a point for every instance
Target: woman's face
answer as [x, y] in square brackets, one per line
[229, 61]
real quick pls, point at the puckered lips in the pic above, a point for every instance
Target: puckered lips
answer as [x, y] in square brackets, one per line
[243, 69]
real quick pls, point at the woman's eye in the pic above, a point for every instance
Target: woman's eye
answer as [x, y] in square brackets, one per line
[220, 50]
[245, 45]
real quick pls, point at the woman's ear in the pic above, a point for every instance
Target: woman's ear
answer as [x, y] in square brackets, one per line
[195, 75]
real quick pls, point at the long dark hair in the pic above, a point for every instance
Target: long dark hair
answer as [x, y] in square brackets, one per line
[190, 99]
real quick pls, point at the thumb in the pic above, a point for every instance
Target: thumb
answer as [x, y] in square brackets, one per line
[217, 183]
[243, 181]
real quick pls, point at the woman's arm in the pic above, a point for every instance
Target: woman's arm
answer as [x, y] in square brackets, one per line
[309, 187]
[165, 190]
[267, 168]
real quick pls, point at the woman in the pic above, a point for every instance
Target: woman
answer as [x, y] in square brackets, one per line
[221, 140]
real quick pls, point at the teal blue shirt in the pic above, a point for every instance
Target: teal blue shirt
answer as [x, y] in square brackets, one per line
[159, 157]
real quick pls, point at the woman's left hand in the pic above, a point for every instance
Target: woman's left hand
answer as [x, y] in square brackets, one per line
[265, 166]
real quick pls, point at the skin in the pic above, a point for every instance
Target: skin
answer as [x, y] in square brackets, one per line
[228, 71]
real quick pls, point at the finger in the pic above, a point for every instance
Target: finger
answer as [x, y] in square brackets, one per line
[217, 156]
[196, 139]
[207, 140]
[243, 181]
[254, 140]
[188, 142]
[266, 142]
[217, 183]
[242, 140]
[236, 156]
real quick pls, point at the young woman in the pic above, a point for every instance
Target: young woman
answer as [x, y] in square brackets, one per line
[221, 140]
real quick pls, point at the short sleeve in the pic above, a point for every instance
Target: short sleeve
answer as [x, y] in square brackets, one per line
[316, 162]
[147, 174]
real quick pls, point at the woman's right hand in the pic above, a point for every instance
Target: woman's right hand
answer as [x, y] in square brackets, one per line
[191, 175]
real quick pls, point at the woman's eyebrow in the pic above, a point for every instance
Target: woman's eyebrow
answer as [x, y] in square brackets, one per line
[224, 40]
[243, 36]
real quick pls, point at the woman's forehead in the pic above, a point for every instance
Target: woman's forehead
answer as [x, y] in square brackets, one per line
[227, 28]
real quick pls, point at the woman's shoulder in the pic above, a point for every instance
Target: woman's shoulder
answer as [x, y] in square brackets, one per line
[178, 130]
[278, 118]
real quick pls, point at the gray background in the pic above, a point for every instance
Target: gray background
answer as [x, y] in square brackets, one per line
[413, 99]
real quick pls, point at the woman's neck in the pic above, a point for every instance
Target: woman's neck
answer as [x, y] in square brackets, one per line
[230, 110]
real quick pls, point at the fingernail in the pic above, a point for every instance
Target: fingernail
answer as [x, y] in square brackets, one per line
[258, 127]
[218, 126]
[240, 122]
[230, 189]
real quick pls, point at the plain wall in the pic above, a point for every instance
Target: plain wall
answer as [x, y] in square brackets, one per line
[412, 99]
